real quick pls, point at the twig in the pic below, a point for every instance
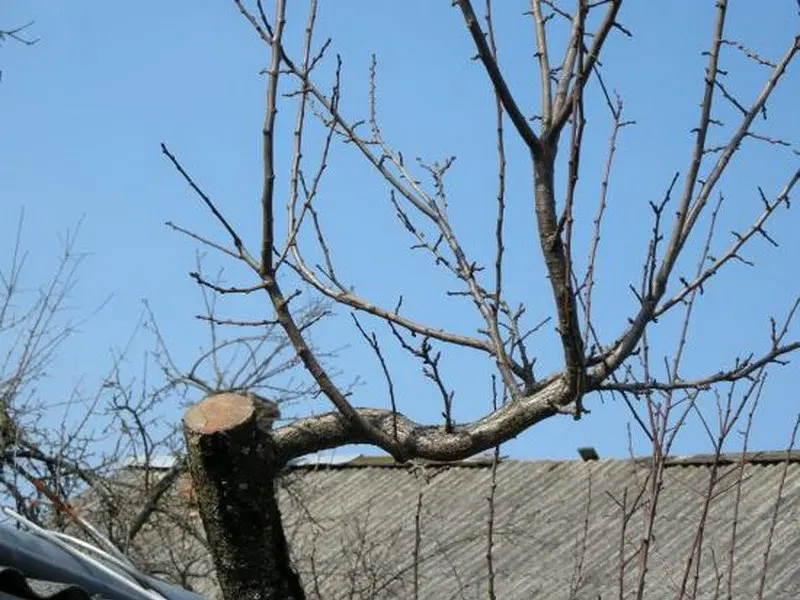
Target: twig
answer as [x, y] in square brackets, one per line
[372, 340]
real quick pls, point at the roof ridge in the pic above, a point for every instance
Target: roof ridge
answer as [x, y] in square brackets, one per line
[380, 461]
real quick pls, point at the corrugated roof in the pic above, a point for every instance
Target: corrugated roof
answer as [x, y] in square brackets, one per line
[353, 531]
[736, 457]
[548, 515]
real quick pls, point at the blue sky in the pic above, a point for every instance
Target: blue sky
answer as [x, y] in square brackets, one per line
[82, 114]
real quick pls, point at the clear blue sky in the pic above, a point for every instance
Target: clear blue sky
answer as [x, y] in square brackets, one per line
[82, 114]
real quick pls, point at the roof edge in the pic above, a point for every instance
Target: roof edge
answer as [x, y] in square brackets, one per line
[365, 461]
[360, 461]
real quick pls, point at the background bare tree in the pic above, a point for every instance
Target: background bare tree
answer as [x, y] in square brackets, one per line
[34, 323]
[106, 465]
[17, 34]
[683, 231]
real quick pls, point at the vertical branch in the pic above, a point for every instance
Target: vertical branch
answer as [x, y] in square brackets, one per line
[418, 529]
[558, 269]
[267, 207]
[372, 340]
[737, 503]
[501, 177]
[574, 46]
[622, 562]
[696, 552]
[655, 485]
[563, 108]
[655, 477]
[578, 574]
[578, 122]
[294, 221]
[678, 233]
[491, 594]
[544, 63]
[498, 81]
[588, 282]
[678, 356]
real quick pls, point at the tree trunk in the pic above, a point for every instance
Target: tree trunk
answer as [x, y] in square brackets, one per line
[231, 460]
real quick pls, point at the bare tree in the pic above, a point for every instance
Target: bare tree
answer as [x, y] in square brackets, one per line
[34, 323]
[105, 464]
[590, 364]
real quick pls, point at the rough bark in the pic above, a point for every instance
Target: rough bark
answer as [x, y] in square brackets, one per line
[231, 460]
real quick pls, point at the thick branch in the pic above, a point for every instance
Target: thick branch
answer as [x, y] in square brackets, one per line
[544, 161]
[498, 81]
[320, 375]
[558, 267]
[268, 223]
[544, 63]
[420, 441]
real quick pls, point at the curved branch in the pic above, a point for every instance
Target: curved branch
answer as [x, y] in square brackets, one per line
[360, 304]
[421, 441]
